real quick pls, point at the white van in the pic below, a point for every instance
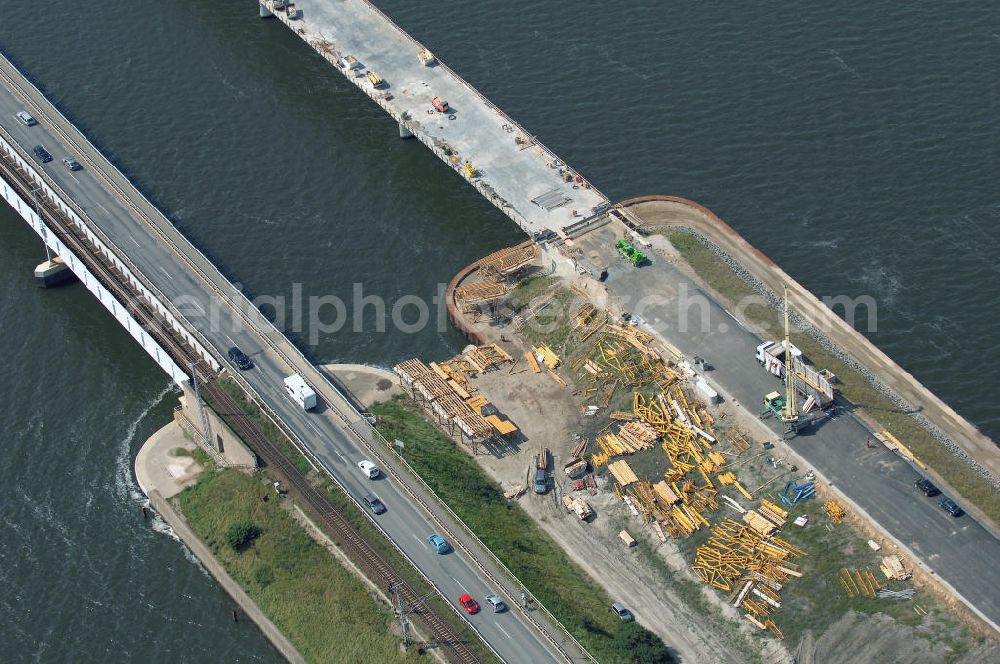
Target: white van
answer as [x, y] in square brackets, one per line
[300, 392]
[369, 469]
[26, 118]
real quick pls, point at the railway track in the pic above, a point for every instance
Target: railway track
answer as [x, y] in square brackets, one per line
[374, 566]
[105, 272]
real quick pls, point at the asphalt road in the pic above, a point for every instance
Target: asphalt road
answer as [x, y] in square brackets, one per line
[959, 550]
[407, 524]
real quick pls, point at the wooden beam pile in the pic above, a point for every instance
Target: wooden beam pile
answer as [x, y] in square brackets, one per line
[635, 337]
[773, 513]
[739, 440]
[622, 472]
[834, 511]
[549, 358]
[735, 550]
[893, 568]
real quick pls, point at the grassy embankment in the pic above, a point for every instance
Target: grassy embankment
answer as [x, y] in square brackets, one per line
[347, 508]
[323, 609]
[513, 536]
[853, 385]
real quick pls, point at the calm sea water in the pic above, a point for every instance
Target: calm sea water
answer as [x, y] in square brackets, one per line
[855, 145]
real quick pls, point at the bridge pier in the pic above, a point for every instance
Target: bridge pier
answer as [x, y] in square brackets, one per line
[404, 131]
[53, 272]
[265, 12]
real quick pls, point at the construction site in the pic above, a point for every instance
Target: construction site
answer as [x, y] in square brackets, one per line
[673, 496]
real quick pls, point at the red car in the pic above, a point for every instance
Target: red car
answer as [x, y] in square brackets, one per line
[468, 604]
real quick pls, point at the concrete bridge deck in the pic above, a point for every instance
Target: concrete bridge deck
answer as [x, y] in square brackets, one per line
[524, 180]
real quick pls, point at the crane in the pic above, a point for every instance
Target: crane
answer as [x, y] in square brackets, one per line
[783, 407]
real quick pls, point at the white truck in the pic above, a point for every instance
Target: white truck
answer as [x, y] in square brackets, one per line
[808, 381]
[300, 392]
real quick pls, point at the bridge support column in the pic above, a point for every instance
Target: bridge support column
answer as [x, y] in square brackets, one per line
[53, 272]
[265, 12]
[404, 132]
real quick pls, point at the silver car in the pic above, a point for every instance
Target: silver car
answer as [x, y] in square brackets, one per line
[71, 164]
[496, 603]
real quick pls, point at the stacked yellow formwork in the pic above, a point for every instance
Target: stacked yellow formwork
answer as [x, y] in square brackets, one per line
[834, 511]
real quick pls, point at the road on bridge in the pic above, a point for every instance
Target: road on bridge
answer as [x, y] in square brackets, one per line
[323, 432]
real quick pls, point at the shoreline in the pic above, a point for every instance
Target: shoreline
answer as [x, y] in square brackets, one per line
[152, 471]
[944, 420]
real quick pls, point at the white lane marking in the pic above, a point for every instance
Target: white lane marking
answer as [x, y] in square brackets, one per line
[417, 538]
[500, 627]
[738, 321]
[103, 208]
[456, 580]
[166, 274]
[134, 240]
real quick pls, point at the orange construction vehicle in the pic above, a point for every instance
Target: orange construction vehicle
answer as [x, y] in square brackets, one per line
[440, 105]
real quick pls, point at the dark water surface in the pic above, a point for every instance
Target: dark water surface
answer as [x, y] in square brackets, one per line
[854, 144]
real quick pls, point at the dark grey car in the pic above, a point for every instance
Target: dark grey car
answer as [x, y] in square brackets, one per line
[374, 504]
[42, 154]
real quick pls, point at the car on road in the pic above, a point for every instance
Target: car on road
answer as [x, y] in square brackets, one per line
[927, 487]
[950, 506]
[374, 504]
[623, 613]
[369, 469]
[42, 154]
[26, 118]
[468, 604]
[71, 164]
[438, 543]
[240, 359]
[496, 603]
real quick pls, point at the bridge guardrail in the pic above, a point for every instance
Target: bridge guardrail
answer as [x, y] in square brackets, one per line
[213, 286]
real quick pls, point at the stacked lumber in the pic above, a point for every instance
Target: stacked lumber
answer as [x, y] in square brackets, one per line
[638, 435]
[739, 440]
[758, 523]
[622, 472]
[893, 568]
[666, 493]
[548, 357]
[773, 513]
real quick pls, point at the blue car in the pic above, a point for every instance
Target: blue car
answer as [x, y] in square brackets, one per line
[439, 543]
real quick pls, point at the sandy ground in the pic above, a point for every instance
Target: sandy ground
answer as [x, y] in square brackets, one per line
[549, 416]
[366, 384]
[158, 467]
